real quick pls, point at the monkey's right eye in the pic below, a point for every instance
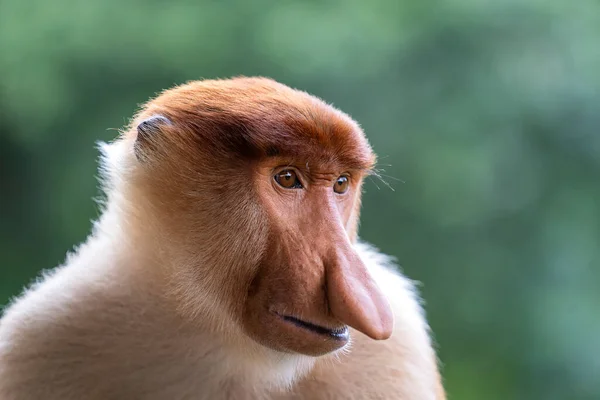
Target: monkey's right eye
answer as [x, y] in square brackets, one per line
[288, 179]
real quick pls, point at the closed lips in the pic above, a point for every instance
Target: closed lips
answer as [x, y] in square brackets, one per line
[340, 333]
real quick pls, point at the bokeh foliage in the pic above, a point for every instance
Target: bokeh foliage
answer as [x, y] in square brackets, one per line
[485, 115]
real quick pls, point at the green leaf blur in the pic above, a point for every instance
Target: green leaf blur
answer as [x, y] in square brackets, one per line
[485, 114]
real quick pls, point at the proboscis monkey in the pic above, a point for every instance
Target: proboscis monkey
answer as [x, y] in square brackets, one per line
[225, 265]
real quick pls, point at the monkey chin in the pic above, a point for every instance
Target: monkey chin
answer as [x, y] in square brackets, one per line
[289, 334]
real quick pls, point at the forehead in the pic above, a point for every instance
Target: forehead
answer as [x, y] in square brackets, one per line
[260, 118]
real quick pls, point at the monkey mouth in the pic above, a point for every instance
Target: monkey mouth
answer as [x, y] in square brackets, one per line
[340, 333]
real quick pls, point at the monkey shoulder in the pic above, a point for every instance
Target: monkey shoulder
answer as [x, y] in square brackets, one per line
[41, 332]
[95, 332]
[61, 335]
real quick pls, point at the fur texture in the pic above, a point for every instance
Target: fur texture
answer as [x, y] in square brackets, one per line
[164, 299]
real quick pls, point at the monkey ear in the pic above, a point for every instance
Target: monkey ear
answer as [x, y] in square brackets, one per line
[147, 131]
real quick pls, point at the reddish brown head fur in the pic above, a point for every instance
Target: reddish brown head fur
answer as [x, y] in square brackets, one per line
[279, 261]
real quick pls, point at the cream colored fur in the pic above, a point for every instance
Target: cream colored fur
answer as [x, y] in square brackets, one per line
[101, 327]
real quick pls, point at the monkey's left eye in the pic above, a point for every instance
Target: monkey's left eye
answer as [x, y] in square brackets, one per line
[288, 179]
[341, 185]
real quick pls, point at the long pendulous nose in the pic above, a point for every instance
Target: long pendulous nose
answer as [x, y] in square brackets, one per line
[354, 297]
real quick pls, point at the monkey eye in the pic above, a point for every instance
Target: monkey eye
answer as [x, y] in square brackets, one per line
[288, 179]
[341, 185]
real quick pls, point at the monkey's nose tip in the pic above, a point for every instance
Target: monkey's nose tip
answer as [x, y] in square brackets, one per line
[356, 300]
[380, 322]
[385, 327]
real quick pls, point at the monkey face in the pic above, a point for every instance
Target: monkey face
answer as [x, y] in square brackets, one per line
[255, 189]
[311, 284]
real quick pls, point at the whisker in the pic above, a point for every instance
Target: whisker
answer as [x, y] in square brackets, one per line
[392, 177]
[375, 172]
[386, 184]
[374, 183]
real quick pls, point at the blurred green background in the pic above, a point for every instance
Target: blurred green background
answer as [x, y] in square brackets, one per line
[485, 114]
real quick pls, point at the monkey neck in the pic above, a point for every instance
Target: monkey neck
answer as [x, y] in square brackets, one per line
[208, 348]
